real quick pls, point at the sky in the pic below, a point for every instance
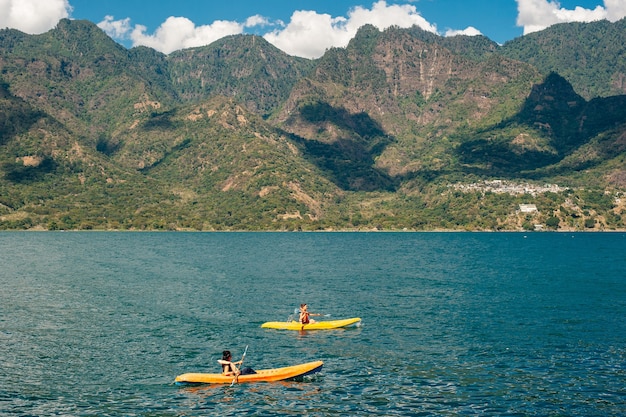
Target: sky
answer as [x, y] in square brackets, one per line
[305, 28]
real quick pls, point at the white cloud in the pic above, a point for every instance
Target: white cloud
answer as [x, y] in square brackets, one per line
[33, 16]
[383, 16]
[469, 31]
[180, 32]
[615, 9]
[257, 20]
[177, 32]
[117, 29]
[535, 15]
[309, 33]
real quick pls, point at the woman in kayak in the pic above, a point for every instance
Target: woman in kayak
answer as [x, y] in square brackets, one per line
[229, 367]
[304, 315]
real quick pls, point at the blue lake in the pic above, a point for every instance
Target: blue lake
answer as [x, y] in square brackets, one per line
[100, 323]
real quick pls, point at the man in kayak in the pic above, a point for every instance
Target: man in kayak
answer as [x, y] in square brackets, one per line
[304, 315]
[229, 367]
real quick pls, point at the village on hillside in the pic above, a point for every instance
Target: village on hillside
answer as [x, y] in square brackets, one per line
[508, 187]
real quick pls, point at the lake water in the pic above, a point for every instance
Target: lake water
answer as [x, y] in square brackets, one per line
[100, 324]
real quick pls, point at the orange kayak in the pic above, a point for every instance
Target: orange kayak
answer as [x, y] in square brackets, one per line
[263, 375]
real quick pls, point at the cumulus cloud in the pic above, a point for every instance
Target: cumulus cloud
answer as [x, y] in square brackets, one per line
[469, 31]
[176, 32]
[180, 32]
[257, 20]
[309, 34]
[33, 16]
[535, 15]
[117, 29]
[615, 9]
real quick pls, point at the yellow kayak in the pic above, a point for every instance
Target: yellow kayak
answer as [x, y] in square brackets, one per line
[318, 325]
[263, 375]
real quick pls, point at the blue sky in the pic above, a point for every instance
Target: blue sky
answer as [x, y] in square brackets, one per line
[299, 27]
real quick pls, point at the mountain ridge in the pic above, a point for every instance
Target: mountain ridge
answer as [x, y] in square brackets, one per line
[238, 135]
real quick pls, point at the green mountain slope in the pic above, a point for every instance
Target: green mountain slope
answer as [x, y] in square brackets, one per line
[50, 179]
[553, 124]
[589, 55]
[232, 169]
[81, 77]
[244, 67]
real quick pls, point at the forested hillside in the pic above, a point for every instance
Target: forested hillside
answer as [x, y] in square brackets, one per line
[589, 55]
[402, 129]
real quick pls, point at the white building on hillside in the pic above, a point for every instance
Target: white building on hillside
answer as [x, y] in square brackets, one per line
[528, 208]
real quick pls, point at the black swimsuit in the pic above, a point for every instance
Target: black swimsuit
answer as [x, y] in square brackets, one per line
[227, 368]
[305, 319]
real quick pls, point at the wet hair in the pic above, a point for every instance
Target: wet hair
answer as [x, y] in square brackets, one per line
[226, 355]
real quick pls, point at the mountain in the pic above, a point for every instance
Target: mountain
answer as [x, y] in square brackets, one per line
[553, 123]
[400, 99]
[78, 75]
[229, 166]
[589, 55]
[245, 67]
[402, 129]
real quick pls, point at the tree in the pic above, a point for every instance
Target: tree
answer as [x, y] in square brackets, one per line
[553, 222]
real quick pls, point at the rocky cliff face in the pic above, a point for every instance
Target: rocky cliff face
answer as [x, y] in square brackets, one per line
[413, 93]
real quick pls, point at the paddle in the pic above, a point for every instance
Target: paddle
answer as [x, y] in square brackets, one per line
[297, 311]
[236, 378]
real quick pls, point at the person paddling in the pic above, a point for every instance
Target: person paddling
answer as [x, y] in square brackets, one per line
[229, 367]
[305, 315]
